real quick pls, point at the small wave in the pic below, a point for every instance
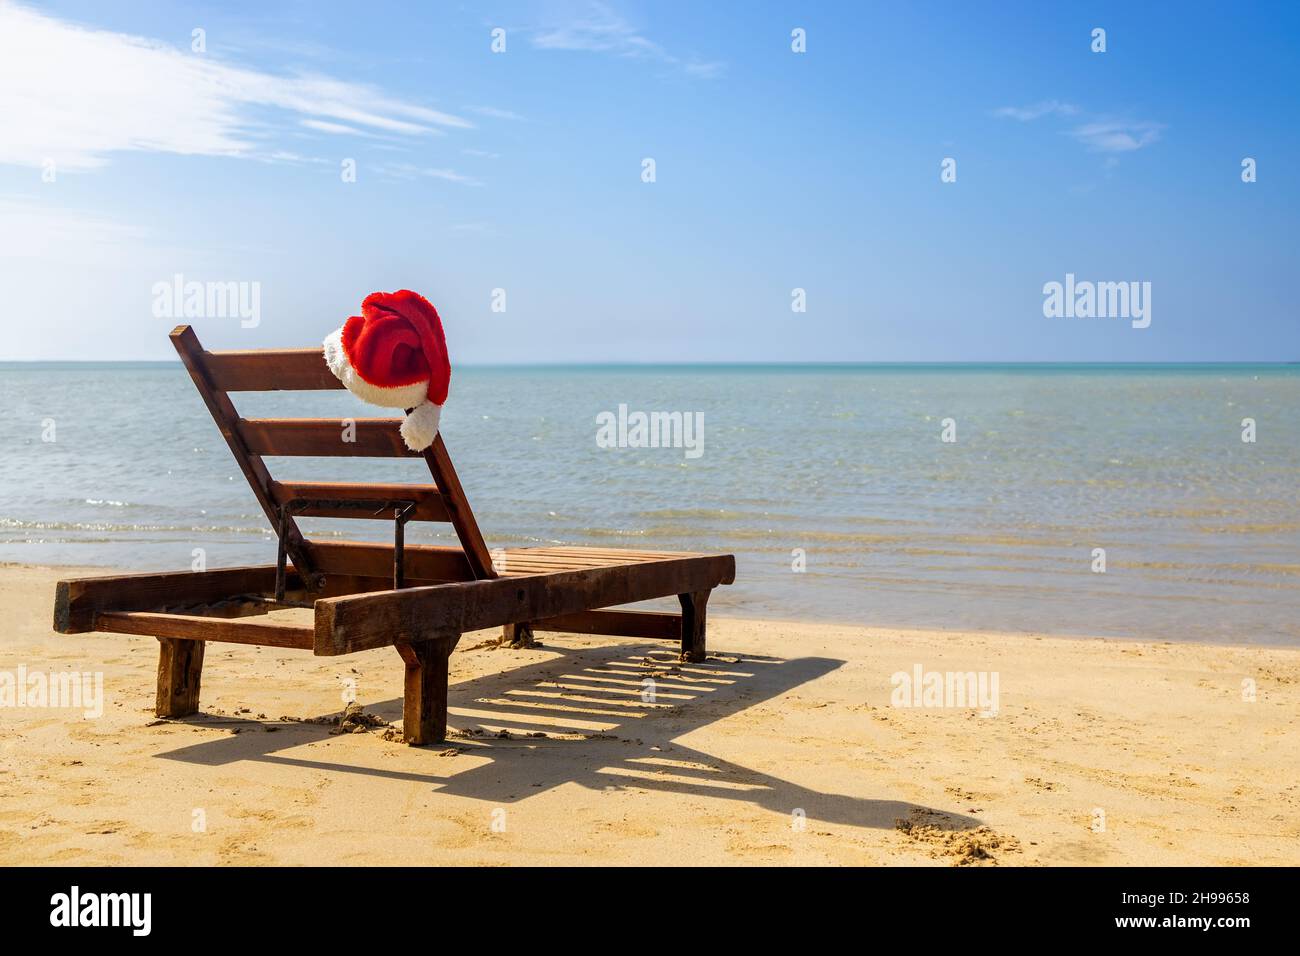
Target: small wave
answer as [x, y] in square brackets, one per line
[105, 527]
[699, 513]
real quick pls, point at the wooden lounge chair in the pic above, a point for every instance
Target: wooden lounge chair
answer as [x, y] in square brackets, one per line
[417, 598]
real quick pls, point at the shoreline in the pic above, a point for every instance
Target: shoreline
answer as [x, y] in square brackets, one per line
[733, 613]
[784, 748]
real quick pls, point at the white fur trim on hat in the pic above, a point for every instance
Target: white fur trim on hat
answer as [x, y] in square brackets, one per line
[404, 396]
[421, 426]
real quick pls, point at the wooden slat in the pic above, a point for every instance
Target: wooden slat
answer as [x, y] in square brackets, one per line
[523, 559]
[216, 373]
[224, 414]
[429, 503]
[653, 625]
[532, 566]
[340, 584]
[324, 437]
[458, 510]
[546, 554]
[348, 624]
[367, 559]
[616, 552]
[77, 601]
[270, 370]
[526, 570]
[517, 565]
[194, 628]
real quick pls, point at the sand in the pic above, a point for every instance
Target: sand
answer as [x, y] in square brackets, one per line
[783, 748]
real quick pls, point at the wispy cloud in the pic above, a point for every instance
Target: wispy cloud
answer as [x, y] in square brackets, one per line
[37, 230]
[475, 228]
[338, 128]
[704, 70]
[1026, 114]
[75, 95]
[288, 156]
[491, 112]
[1117, 136]
[602, 30]
[481, 153]
[1100, 134]
[411, 171]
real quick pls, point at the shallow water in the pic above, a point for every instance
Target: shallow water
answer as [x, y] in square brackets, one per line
[993, 531]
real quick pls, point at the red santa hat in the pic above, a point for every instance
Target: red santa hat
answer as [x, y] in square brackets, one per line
[394, 354]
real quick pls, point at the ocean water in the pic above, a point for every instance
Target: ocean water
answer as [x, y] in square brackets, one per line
[840, 469]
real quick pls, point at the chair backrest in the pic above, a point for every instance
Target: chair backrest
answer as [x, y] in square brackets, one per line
[217, 374]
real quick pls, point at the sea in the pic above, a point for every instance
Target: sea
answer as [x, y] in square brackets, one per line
[1149, 501]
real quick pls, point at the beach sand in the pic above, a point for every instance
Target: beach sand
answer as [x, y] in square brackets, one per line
[782, 749]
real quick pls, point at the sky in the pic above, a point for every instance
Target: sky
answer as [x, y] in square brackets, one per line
[134, 150]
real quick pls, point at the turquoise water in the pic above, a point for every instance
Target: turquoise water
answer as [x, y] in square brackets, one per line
[993, 531]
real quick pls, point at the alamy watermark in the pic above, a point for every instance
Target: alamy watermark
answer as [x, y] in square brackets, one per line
[626, 429]
[179, 299]
[976, 690]
[71, 690]
[1098, 300]
[130, 910]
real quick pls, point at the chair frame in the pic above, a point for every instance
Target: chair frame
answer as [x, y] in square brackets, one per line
[417, 598]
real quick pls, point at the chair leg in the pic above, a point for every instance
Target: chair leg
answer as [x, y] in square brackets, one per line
[180, 669]
[693, 623]
[424, 705]
[517, 635]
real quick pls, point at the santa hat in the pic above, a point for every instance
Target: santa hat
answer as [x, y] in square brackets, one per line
[394, 354]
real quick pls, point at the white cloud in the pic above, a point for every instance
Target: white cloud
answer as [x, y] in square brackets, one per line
[602, 30]
[41, 230]
[475, 228]
[704, 70]
[1027, 114]
[1100, 135]
[451, 176]
[411, 171]
[75, 95]
[288, 156]
[493, 113]
[1117, 136]
[327, 127]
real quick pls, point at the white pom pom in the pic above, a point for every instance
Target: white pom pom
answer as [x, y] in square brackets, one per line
[421, 426]
[334, 357]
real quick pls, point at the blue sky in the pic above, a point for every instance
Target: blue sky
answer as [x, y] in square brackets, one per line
[774, 171]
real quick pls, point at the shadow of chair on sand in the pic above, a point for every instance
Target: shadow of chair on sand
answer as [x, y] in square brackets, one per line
[604, 728]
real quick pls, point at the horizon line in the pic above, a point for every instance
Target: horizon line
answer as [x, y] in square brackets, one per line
[745, 364]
